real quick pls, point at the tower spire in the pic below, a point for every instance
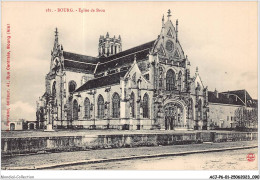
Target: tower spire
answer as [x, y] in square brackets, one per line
[56, 34]
[56, 41]
[197, 70]
[169, 14]
[163, 21]
[177, 23]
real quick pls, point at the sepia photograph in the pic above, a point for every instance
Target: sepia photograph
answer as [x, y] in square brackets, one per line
[148, 86]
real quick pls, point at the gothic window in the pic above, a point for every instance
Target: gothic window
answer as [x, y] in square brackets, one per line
[199, 110]
[101, 106]
[198, 86]
[108, 51]
[72, 86]
[115, 49]
[103, 50]
[54, 89]
[87, 108]
[112, 47]
[115, 106]
[134, 78]
[179, 81]
[75, 110]
[132, 103]
[170, 80]
[160, 76]
[160, 71]
[179, 112]
[146, 106]
[191, 108]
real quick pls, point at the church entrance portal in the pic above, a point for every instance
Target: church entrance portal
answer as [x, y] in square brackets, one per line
[173, 115]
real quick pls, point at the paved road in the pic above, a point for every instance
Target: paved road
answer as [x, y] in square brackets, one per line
[226, 160]
[65, 157]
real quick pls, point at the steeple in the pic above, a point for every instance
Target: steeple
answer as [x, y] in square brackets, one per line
[163, 21]
[56, 46]
[107, 36]
[56, 41]
[197, 70]
[169, 14]
[177, 30]
[56, 34]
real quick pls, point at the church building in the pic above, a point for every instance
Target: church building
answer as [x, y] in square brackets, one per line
[146, 87]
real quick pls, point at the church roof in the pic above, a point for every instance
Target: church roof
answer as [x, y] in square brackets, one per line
[79, 66]
[79, 57]
[124, 57]
[224, 98]
[102, 81]
[84, 63]
[78, 62]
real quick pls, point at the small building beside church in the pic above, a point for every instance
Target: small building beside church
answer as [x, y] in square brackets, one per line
[225, 107]
[13, 125]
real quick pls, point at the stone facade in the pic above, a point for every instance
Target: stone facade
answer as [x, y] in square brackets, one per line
[145, 87]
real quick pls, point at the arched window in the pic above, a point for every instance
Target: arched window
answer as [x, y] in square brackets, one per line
[108, 51]
[87, 108]
[198, 87]
[146, 106]
[112, 47]
[179, 81]
[103, 50]
[53, 89]
[191, 109]
[132, 103]
[199, 110]
[160, 80]
[170, 80]
[115, 49]
[101, 106]
[115, 106]
[72, 86]
[75, 110]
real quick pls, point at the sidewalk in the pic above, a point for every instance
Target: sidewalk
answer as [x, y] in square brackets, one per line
[44, 160]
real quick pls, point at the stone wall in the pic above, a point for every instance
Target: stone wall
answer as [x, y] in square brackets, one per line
[27, 145]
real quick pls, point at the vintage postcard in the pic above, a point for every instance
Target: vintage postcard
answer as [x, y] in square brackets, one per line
[97, 86]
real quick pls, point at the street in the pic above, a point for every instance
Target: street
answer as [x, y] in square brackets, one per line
[208, 159]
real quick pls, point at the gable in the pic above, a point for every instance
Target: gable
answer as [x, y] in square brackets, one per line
[134, 74]
[167, 45]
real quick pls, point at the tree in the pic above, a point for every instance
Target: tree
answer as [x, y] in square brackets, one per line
[246, 118]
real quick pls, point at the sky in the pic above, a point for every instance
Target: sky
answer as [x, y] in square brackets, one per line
[220, 38]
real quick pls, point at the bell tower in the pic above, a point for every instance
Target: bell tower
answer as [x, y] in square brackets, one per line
[109, 45]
